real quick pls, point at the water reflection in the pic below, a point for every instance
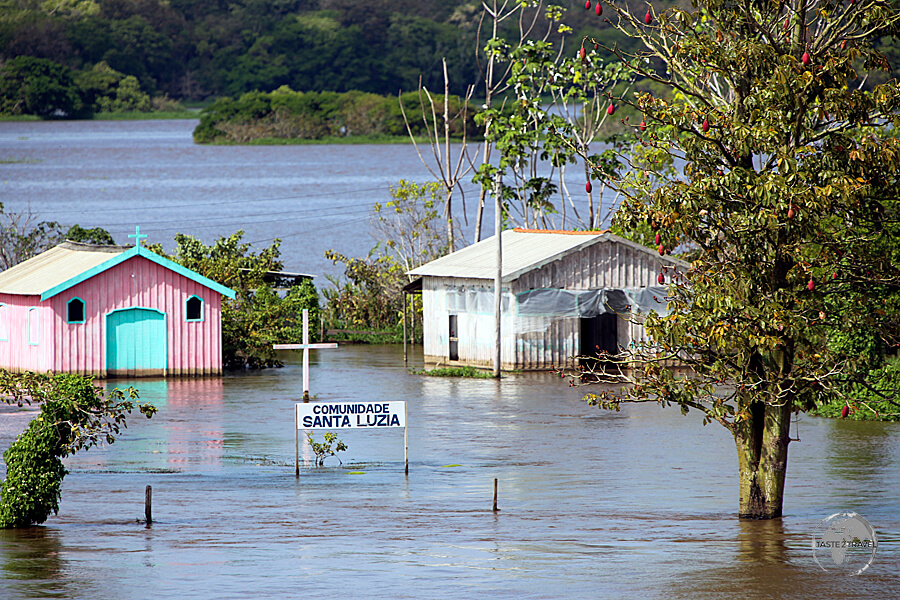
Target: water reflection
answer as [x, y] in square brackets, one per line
[191, 410]
[762, 542]
[858, 450]
[32, 563]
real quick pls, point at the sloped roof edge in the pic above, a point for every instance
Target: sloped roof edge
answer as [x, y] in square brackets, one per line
[591, 237]
[132, 252]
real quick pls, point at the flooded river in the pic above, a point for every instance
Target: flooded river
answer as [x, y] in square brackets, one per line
[639, 503]
[635, 504]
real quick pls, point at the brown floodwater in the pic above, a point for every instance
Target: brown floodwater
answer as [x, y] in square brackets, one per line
[637, 503]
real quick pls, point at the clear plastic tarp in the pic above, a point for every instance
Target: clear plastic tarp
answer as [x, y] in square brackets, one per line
[590, 303]
[536, 310]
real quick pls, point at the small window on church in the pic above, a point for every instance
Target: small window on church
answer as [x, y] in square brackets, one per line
[194, 309]
[75, 311]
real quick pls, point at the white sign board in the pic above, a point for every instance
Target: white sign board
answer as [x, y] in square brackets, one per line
[351, 415]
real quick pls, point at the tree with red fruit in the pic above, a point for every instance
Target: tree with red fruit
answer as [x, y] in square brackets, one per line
[793, 130]
[578, 87]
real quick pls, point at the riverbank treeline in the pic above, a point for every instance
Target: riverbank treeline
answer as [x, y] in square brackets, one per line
[199, 51]
[286, 114]
[41, 88]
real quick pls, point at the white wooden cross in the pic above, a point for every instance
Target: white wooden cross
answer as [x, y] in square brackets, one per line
[306, 347]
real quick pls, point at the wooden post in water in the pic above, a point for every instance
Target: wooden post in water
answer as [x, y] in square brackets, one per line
[495, 495]
[148, 505]
[405, 442]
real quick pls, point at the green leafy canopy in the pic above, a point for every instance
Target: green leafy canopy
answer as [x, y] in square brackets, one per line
[74, 415]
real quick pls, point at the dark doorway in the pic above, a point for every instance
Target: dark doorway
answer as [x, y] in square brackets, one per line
[454, 340]
[598, 335]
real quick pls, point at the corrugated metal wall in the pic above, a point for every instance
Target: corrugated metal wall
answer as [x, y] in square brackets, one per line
[603, 265]
[531, 343]
[443, 296]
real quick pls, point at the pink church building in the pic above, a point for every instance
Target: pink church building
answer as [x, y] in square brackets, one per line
[109, 311]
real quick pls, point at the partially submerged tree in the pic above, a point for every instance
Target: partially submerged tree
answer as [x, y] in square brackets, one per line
[258, 316]
[446, 170]
[495, 64]
[409, 232]
[323, 449]
[408, 225]
[788, 200]
[536, 141]
[74, 415]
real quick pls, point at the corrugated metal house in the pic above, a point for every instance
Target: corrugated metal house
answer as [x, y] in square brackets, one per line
[565, 294]
[108, 311]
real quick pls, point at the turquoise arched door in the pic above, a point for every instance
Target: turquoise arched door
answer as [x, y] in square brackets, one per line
[135, 342]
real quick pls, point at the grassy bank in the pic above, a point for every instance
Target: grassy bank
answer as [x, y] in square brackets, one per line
[354, 139]
[120, 116]
[19, 118]
[148, 116]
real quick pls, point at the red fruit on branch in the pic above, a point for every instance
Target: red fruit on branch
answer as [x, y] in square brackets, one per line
[661, 279]
[811, 285]
[643, 126]
[805, 58]
[596, 46]
[661, 250]
[791, 213]
[611, 110]
[656, 240]
[834, 275]
[648, 18]
[583, 53]
[787, 22]
[588, 187]
[843, 44]
[705, 125]
[587, 5]
[598, 9]
[845, 411]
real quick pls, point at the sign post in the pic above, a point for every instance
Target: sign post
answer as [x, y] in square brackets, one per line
[351, 415]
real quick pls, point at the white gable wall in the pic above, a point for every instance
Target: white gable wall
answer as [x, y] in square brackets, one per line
[531, 343]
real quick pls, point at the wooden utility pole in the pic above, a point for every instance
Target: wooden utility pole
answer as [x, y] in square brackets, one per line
[498, 278]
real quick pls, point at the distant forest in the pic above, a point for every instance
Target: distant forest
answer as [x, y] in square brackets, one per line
[192, 51]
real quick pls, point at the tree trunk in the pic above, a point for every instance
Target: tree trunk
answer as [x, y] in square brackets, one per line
[762, 446]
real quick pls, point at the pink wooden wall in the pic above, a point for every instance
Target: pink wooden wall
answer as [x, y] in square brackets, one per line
[16, 354]
[193, 348]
